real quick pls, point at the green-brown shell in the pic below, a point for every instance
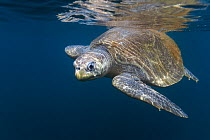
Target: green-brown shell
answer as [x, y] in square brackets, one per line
[155, 53]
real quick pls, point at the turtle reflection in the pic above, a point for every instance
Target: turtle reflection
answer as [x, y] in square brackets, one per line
[146, 14]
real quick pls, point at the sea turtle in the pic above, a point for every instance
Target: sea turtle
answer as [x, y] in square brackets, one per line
[134, 59]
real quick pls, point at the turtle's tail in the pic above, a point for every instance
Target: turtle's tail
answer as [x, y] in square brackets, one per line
[190, 75]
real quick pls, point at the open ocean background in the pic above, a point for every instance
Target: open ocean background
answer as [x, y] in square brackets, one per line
[40, 98]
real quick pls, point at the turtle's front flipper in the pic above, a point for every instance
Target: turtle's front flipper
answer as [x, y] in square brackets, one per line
[75, 51]
[190, 75]
[135, 88]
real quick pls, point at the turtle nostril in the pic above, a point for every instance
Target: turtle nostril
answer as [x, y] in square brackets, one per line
[77, 68]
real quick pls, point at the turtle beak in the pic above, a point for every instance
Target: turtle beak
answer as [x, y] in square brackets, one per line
[82, 75]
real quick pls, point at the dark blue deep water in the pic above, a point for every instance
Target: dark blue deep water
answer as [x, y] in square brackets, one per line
[40, 98]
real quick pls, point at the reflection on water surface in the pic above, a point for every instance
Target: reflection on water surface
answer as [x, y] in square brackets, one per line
[153, 14]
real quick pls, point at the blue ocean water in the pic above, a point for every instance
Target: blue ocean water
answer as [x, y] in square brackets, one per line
[40, 98]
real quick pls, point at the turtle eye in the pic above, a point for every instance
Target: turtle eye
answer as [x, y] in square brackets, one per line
[91, 66]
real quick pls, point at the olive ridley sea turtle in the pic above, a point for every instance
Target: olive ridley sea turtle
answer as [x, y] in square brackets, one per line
[134, 59]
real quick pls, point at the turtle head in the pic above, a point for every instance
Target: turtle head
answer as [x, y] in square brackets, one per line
[92, 65]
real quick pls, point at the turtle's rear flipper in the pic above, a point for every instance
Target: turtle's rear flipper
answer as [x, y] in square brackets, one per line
[190, 75]
[135, 88]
